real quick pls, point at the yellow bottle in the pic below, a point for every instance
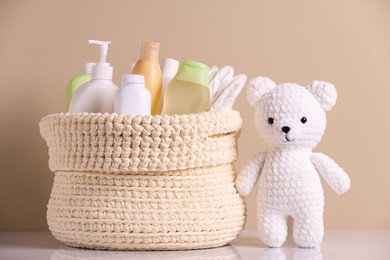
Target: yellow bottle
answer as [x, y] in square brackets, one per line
[148, 66]
[188, 92]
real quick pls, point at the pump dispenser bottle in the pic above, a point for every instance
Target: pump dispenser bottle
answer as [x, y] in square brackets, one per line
[77, 81]
[97, 95]
[188, 92]
[148, 66]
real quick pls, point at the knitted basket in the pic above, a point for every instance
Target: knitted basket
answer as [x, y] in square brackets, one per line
[144, 182]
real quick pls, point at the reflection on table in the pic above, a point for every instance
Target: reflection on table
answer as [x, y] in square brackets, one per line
[68, 253]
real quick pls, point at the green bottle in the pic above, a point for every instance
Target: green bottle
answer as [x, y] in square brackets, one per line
[188, 92]
[77, 81]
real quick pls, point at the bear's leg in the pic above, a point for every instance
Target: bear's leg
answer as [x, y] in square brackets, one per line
[309, 228]
[272, 227]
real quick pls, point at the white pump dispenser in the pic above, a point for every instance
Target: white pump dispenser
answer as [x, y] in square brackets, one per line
[102, 69]
[97, 95]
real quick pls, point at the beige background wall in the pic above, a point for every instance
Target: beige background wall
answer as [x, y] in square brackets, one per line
[43, 43]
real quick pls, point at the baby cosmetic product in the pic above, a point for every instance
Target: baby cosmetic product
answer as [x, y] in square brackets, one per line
[97, 95]
[169, 68]
[77, 81]
[188, 92]
[133, 98]
[148, 66]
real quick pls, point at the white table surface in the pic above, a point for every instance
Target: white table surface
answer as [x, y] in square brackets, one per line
[337, 244]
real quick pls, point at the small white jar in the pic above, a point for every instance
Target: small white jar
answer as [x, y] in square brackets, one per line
[133, 98]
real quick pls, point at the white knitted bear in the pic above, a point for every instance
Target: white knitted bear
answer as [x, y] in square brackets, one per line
[291, 119]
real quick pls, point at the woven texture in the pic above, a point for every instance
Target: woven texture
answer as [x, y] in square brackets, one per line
[291, 120]
[124, 144]
[144, 182]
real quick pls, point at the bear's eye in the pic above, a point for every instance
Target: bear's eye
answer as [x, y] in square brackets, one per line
[303, 120]
[270, 120]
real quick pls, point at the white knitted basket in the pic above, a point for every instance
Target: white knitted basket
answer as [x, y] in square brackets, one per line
[144, 182]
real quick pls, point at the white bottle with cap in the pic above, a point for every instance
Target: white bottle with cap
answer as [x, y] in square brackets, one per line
[169, 68]
[133, 98]
[97, 95]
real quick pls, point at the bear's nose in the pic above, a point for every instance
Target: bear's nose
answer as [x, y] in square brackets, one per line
[285, 129]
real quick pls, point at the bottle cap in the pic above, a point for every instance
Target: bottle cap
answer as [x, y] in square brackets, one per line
[169, 67]
[102, 69]
[87, 68]
[149, 51]
[193, 71]
[133, 78]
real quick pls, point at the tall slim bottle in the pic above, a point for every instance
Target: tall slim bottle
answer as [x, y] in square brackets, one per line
[149, 66]
[169, 68]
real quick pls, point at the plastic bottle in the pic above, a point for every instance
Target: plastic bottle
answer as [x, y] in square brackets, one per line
[188, 92]
[169, 69]
[148, 66]
[132, 98]
[97, 95]
[77, 81]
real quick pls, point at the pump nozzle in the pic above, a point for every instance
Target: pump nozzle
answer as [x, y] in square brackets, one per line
[103, 49]
[102, 69]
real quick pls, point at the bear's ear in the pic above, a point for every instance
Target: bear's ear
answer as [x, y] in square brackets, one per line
[257, 88]
[324, 92]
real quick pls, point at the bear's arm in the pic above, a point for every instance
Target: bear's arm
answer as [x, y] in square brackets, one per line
[247, 178]
[334, 175]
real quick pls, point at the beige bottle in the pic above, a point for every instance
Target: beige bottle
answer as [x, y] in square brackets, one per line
[188, 92]
[148, 66]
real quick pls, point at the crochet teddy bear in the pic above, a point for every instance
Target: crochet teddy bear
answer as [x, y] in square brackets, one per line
[291, 120]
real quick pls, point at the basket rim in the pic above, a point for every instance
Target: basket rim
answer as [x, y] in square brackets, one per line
[120, 143]
[205, 123]
[129, 117]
